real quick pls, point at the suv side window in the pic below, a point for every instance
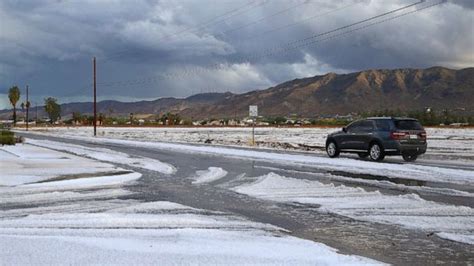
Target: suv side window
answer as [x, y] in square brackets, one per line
[360, 126]
[383, 124]
[354, 126]
[366, 126]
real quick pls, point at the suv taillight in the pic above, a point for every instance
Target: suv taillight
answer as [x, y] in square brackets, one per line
[396, 135]
[423, 135]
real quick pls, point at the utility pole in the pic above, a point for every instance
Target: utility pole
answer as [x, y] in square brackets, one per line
[253, 113]
[27, 108]
[253, 132]
[95, 100]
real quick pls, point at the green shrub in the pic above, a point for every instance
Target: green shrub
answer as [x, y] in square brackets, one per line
[6, 133]
[7, 137]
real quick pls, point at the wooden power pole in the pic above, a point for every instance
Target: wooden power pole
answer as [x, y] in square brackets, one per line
[95, 100]
[27, 108]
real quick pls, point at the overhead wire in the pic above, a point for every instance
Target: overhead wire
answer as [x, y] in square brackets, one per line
[280, 49]
[247, 7]
[314, 36]
[259, 3]
[290, 48]
[186, 72]
[305, 2]
[317, 16]
[196, 28]
[207, 23]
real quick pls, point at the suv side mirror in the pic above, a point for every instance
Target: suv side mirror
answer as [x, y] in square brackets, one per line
[344, 129]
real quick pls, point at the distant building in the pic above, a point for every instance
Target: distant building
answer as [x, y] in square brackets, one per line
[6, 123]
[216, 123]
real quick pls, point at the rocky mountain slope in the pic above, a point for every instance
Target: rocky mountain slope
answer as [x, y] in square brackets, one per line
[371, 90]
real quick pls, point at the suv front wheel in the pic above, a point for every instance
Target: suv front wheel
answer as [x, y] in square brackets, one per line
[376, 152]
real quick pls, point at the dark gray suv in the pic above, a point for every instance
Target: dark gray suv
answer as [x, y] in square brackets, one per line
[377, 137]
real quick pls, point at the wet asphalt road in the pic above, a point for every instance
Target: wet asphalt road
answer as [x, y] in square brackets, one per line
[387, 243]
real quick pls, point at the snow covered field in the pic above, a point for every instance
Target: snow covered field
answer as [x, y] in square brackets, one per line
[89, 218]
[108, 156]
[443, 143]
[26, 163]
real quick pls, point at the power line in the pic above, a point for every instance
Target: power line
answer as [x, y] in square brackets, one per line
[194, 29]
[317, 16]
[213, 20]
[286, 49]
[280, 49]
[258, 4]
[265, 18]
[186, 72]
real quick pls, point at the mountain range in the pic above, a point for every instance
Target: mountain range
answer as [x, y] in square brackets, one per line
[329, 94]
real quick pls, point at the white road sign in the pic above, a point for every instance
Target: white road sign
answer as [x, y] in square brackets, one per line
[253, 110]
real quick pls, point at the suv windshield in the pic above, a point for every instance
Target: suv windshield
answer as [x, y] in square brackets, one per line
[408, 125]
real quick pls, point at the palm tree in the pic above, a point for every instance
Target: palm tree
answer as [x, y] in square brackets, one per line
[14, 96]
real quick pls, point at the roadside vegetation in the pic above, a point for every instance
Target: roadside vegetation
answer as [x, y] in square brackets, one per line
[14, 97]
[53, 109]
[7, 137]
[430, 116]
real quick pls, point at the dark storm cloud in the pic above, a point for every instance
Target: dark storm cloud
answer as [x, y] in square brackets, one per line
[464, 3]
[49, 44]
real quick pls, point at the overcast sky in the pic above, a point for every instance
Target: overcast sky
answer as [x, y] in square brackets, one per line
[156, 48]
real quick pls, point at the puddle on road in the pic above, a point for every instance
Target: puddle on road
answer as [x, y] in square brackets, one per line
[84, 175]
[406, 181]
[402, 181]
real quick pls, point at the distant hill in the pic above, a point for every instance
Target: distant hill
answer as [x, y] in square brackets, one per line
[162, 105]
[370, 90]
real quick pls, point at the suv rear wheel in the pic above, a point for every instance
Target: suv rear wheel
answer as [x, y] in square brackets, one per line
[409, 157]
[376, 152]
[332, 149]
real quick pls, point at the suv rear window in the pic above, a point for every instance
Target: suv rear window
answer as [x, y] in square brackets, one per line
[408, 125]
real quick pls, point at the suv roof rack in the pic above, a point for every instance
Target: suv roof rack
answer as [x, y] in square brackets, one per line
[390, 117]
[380, 117]
[404, 118]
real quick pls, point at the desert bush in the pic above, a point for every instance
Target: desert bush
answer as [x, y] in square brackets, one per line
[7, 137]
